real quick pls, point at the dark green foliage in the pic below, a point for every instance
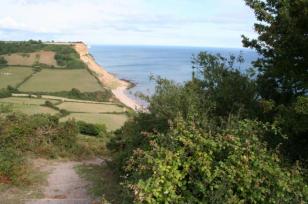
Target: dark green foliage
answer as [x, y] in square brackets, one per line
[283, 69]
[91, 129]
[4, 93]
[2, 61]
[188, 165]
[22, 47]
[283, 43]
[203, 142]
[66, 56]
[224, 89]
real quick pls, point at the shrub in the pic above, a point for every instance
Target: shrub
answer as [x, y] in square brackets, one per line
[91, 129]
[4, 93]
[188, 165]
[40, 134]
[12, 166]
[3, 61]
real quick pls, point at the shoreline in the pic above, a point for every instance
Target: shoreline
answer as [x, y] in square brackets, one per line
[117, 86]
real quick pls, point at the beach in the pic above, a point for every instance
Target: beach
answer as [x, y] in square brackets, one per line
[117, 86]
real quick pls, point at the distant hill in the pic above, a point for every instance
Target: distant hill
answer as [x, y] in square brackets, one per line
[39, 54]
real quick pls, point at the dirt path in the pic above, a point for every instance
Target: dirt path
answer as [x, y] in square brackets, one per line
[64, 184]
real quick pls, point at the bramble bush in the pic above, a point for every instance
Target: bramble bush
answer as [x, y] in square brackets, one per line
[189, 165]
[219, 151]
[39, 135]
[96, 130]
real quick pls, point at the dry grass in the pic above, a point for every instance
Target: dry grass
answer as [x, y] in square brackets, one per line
[29, 59]
[90, 108]
[13, 75]
[51, 80]
[112, 121]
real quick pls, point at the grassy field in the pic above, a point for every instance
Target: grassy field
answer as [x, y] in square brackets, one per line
[30, 59]
[27, 101]
[49, 80]
[13, 75]
[112, 121]
[33, 109]
[90, 108]
[28, 106]
[87, 112]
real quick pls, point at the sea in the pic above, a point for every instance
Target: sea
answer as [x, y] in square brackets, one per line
[138, 63]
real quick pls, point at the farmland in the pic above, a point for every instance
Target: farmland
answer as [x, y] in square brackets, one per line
[51, 81]
[13, 75]
[112, 121]
[55, 80]
[90, 108]
[35, 73]
[112, 115]
[30, 59]
[28, 106]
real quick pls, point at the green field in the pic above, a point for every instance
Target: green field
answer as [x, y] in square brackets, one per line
[52, 80]
[112, 121]
[27, 101]
[28, 106]
[90, 108]
[13, 75]
[33, 109]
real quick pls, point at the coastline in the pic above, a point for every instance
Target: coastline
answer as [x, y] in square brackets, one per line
[117, 86]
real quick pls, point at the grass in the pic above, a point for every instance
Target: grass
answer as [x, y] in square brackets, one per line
[28, 106]
[90, 108]
[95, 145]
[32, 109]
[112, 121]
[87, 112]
[103, 182]
[10, 194]
[13, 75]
[54, 80]
[28, 101]
[29, 59]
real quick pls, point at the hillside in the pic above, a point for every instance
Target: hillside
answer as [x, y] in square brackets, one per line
[39, 54]
[63, 105]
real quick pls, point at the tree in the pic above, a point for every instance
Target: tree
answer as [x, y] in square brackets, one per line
[283, 43]
[283, 68]
[3, 61]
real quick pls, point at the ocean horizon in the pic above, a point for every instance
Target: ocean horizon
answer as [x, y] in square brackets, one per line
[138, 63]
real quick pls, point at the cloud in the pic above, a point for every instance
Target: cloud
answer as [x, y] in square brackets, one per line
[9, 23]
[180, 22]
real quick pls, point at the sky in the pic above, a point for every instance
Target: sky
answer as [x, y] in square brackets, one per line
[205, 23]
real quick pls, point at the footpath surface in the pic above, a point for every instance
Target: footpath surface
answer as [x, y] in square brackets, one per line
[64, 185]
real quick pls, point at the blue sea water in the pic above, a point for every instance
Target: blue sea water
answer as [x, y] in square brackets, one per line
[137, 63]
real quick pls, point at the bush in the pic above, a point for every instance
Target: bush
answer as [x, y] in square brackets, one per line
[91, 129]
[4, 93]
[2, 61]
[187, 165]
[12, 166]
[40, 134]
